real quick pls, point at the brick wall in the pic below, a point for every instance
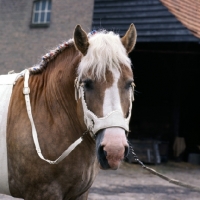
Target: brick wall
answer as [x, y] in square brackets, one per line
[22, 46]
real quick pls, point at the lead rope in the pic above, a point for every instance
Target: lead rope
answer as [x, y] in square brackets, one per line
[170, 180]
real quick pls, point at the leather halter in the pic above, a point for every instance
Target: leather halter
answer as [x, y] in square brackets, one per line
[113, 119]
[93, 123]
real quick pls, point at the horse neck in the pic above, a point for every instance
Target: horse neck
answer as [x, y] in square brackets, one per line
[58, 90]
[61, 74]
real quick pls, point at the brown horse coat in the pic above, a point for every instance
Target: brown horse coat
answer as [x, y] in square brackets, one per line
[59, 122]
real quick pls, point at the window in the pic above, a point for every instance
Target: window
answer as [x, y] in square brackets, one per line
[41, 13]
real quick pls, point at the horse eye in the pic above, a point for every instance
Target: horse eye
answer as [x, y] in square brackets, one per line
[88, 84]
[128, 84]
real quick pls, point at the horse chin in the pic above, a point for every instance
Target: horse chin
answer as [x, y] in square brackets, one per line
[111, 151]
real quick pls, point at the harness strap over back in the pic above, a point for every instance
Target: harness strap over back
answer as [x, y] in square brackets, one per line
[6, 87]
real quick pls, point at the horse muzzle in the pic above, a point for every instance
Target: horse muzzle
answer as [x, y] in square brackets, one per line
[111, 147]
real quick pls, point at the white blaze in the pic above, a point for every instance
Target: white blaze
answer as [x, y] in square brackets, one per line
[112, 97]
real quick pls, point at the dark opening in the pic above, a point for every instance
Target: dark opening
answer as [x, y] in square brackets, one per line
[167, 96]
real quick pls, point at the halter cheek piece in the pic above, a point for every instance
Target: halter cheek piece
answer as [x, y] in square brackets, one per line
[93, 123]
[113, 119]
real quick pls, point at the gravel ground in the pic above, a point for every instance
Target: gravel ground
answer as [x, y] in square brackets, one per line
[131, 182]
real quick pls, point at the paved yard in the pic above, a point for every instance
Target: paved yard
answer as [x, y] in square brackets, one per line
[131, 182]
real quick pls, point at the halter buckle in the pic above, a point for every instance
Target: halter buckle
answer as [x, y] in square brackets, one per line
[133, 87]
[77, 89]
[26, 90]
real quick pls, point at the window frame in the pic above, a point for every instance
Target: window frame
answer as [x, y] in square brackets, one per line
[41, 11]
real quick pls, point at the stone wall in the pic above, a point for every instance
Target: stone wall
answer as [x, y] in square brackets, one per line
[22, 46]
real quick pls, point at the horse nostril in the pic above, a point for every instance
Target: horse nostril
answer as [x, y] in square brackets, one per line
[126, 152]
[105, 153]
[101, 152]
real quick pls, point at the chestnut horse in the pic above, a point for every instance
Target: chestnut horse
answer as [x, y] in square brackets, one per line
[81, 92]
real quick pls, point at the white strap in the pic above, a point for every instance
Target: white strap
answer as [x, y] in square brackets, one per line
[26, 92]
[114, 118]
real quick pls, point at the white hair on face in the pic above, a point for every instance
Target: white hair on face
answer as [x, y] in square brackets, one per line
[112, 96]
[105, 52]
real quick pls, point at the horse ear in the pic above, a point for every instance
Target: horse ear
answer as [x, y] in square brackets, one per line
[129, 38]
[81, 40]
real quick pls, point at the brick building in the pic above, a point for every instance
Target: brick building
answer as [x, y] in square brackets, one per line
[29, 28]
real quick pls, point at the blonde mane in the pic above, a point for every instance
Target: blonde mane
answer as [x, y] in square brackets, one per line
[105, 52]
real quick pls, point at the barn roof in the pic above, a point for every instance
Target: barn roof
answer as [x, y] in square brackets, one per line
[153, 21]
[188, 12]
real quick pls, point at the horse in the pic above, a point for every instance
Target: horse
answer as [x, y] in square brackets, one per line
[79, 98]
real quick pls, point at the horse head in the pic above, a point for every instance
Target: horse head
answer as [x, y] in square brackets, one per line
[105, 86]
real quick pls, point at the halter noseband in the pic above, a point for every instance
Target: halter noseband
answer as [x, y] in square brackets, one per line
[113, 119]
